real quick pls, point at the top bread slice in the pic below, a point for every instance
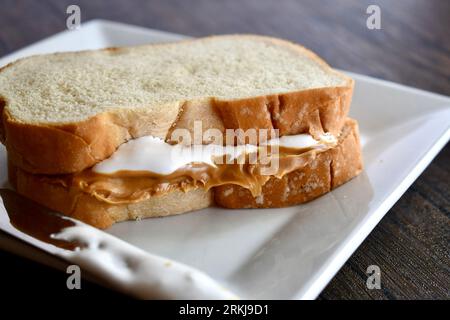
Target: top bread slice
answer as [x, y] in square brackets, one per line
[64, 112]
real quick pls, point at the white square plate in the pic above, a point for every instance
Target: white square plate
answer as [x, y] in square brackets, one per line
[291, 252]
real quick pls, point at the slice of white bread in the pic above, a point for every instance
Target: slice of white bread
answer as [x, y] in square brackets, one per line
[325, 172]
[62, 113]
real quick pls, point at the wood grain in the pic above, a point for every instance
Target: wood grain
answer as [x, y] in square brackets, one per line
[411, 244]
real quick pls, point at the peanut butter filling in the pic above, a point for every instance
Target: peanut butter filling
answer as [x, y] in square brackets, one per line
[133, 186]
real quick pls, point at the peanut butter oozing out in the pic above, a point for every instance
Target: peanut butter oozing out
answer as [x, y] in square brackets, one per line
[134, 186]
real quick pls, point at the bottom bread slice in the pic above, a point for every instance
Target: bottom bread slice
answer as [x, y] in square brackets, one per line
[325, 172]
[101, 214]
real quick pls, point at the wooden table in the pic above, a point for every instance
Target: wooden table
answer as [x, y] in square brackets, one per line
[411, 243]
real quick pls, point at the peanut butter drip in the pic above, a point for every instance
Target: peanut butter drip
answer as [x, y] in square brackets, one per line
[133, 186]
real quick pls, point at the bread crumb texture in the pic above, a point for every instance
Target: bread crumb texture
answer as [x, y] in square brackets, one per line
[71, 87]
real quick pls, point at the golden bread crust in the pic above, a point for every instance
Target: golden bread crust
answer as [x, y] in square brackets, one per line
[327, 171]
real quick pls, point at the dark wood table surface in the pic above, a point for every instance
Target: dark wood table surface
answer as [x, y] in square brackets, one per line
[411, 243]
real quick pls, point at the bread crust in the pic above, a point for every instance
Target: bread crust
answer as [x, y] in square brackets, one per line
[41, 148]
[327, 171]
[100, 214]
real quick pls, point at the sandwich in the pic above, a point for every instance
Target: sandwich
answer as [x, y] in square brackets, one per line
[237, 121]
